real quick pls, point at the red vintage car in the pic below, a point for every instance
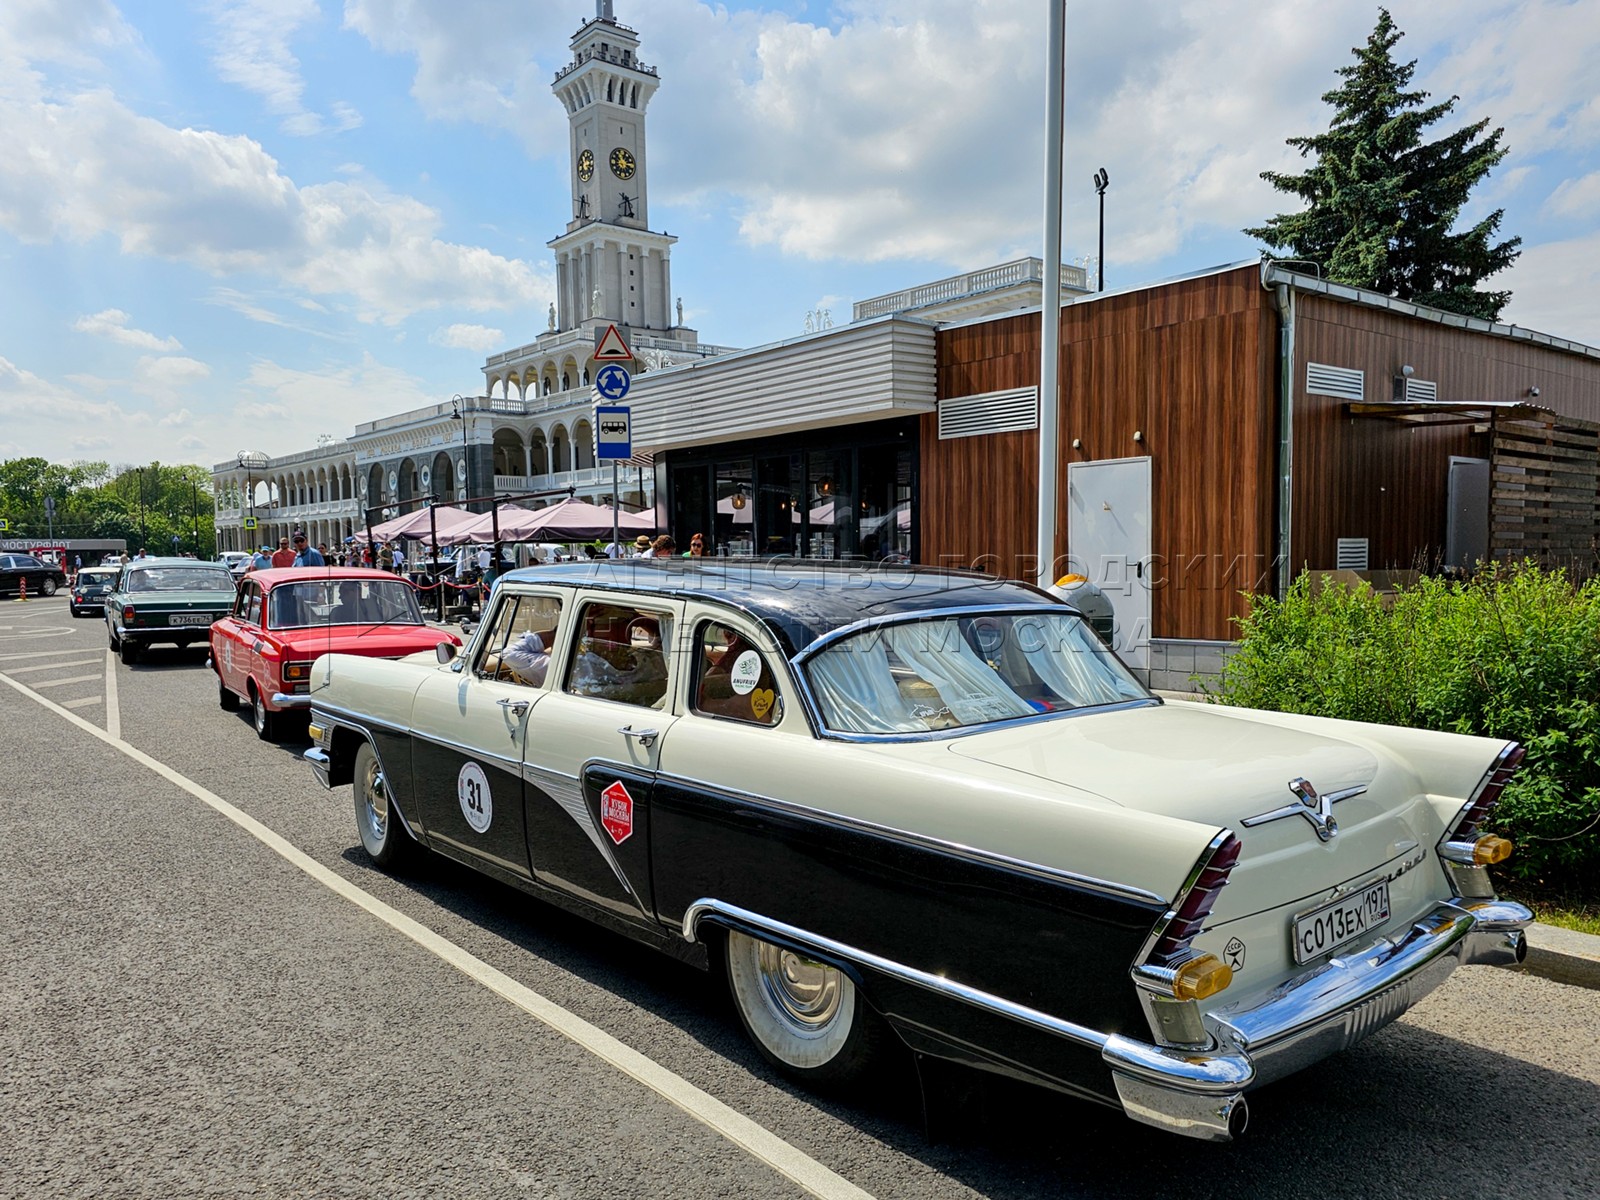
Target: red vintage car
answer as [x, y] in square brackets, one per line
[284, 619]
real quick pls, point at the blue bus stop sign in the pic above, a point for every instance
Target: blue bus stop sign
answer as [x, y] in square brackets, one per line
[613, 438]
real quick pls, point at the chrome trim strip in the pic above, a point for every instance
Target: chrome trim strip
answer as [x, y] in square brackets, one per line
[1105, 887]
[744, 918]
[512, 765]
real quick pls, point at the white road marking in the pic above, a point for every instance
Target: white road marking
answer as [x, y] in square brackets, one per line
[33, 654]
[34, 636]
[739, 1129]
[82, 662]
[113, 710]
[50, 683]
[84, 703]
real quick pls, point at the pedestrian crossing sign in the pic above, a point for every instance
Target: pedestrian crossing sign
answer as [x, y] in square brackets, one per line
[250, 522]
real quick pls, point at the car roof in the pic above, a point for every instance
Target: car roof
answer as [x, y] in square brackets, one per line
[152, 561]
[798, 602]
[275, 576]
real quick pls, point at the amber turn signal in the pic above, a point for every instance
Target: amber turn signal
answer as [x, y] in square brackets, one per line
[1488, 850]
[1201, 977]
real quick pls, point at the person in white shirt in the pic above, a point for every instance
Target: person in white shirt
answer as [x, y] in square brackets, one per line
[484, 558]
[399, 560]
[525, 659]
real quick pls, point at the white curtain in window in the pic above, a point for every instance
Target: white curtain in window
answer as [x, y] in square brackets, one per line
[1067, 664]
[856, 691]
[970, 688]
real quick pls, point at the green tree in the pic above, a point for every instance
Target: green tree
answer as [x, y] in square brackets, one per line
[1382, 203]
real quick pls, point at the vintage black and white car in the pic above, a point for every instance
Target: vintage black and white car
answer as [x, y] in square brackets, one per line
[933, 805]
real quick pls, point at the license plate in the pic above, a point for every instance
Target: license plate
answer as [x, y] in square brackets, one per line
[189, 619]
[1341, 921]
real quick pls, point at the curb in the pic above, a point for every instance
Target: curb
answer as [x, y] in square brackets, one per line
[1563, 955]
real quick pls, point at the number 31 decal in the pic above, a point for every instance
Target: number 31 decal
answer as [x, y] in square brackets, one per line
[472, 790]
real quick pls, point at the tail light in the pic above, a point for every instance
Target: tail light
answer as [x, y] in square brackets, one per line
[1488, 794]
[1189, 918]
[296, 672]
[1466, 849]
[127, 614]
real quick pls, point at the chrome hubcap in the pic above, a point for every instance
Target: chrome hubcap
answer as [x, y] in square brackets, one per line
[376, 798]
[805, 993]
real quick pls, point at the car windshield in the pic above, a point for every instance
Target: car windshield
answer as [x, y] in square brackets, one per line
[178, 579]
[950, 672]
[343, 602]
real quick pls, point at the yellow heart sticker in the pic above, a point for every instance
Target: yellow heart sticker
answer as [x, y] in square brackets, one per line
[761, 702]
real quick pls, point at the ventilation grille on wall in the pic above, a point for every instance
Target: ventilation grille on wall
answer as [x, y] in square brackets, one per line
[992, 412]
[1422, 389]
[1351, 554]
[1343, 382]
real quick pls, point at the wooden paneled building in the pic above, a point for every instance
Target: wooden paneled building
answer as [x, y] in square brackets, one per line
[1276, 419]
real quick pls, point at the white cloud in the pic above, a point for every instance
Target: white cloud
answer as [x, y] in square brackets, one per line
[112, 323]
[251, 50]
[468, 337]
[1578, 198]
[89, 167]
[1556, 289]
[172, 420]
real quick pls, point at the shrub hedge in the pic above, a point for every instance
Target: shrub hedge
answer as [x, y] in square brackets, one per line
[1514, 653]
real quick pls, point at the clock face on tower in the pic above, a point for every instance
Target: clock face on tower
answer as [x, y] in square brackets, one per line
[586, 165]
[622, 164]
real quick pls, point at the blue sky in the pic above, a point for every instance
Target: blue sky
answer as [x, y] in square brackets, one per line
[230, 224]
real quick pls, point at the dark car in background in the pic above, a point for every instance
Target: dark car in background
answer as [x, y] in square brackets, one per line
[42, 578]
[90, 589]
[166, 600]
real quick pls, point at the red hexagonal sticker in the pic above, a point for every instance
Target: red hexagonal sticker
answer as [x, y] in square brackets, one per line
[616, 812]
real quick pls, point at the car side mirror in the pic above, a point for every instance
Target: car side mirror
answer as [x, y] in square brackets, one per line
[445, 652]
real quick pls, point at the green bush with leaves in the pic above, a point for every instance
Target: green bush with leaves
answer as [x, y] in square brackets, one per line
[1514, 653]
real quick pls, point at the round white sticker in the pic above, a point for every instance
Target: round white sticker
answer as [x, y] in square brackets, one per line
[746, 672]
[472, 790]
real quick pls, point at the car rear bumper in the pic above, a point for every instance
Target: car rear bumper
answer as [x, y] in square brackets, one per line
[281, 700]
[1200, 1093]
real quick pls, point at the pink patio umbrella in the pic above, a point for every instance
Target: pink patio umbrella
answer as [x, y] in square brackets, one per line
[449, 521]
[568, 521]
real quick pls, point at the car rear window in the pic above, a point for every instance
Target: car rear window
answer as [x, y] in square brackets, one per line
[343, 602]
[179, 579]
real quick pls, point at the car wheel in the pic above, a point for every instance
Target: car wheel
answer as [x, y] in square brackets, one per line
[130, 652]
[47, 586]
[382, 836]
[266, 721]
[806, 1017]
[228, 700]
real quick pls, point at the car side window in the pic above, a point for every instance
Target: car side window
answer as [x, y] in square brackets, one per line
[617, 655]
[734, 679]
[517, 644]
[241, 602]
[252, 606]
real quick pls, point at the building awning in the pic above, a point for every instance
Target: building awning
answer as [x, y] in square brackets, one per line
[1467, 412]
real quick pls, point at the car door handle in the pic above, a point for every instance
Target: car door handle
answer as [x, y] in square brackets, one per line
[647, 737]
[515, 706]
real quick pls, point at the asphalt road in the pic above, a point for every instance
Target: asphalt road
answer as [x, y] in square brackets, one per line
[188, 1010]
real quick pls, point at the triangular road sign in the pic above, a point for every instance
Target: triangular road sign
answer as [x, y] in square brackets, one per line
[611, 347]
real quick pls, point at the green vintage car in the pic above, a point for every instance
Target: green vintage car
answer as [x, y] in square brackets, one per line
[166, 600]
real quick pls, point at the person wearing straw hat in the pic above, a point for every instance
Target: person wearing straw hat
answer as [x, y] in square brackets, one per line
[641, 546]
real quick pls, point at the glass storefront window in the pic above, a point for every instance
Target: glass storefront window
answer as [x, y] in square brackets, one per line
[735, 520]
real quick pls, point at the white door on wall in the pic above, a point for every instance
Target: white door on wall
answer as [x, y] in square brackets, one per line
[1108, 539]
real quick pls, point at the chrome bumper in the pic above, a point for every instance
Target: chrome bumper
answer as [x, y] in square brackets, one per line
[284, 700]
[1200, 1093]
[318, 758]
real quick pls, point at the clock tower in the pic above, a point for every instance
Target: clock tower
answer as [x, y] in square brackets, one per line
[609, 266]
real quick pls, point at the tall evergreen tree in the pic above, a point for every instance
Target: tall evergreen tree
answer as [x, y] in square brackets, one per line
[1381, 202]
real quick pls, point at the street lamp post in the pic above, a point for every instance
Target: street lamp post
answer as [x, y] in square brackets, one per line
[1100, 181]
[458, 404]
[251, 461]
